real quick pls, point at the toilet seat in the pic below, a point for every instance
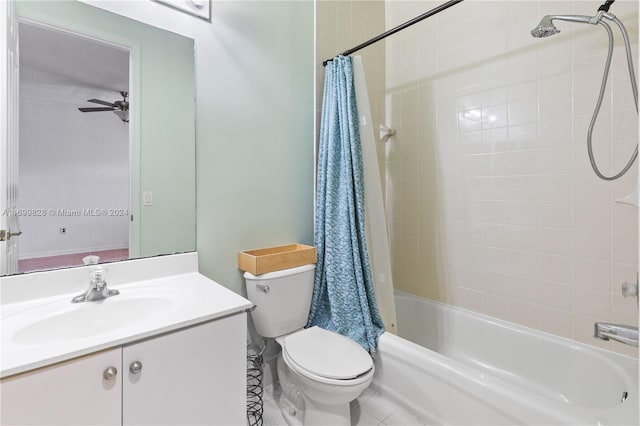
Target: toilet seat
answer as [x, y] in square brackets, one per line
[326, 356]
[335, 383]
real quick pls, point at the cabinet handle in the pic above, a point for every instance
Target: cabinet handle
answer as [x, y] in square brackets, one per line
[135, 367]
[110, 373]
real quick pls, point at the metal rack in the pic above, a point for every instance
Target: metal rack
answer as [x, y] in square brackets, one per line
[255, 384]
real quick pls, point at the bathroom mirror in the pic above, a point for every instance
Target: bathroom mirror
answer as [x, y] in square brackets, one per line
[106, 141]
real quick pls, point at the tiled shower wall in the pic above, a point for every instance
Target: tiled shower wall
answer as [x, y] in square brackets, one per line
[341, 25]
[492, 203]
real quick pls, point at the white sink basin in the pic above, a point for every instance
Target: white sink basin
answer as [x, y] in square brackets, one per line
[63, 321]
[90, 319]
[41, 331]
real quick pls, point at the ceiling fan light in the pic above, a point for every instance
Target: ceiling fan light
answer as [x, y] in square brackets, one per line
[122, 115]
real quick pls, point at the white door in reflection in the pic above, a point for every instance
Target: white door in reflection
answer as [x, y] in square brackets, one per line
[9, 226]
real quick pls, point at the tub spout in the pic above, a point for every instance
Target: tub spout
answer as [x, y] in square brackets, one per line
[620, 333]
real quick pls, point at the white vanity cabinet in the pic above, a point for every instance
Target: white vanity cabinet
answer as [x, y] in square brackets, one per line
[193, 376]
[74, 392]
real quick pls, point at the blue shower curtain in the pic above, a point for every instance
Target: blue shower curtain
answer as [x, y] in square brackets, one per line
[343, 296]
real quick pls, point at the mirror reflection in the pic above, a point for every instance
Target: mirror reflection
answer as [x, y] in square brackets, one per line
[106, 142]
[74, 157]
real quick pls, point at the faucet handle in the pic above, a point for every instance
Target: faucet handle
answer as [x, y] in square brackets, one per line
[98, 277]
[629, 289]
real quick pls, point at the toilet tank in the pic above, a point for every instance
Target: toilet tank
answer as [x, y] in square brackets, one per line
[282, 299]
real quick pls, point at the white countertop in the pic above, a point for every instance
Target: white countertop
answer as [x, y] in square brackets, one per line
[193, 299]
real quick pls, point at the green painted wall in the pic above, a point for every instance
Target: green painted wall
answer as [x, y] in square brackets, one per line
[255, 132]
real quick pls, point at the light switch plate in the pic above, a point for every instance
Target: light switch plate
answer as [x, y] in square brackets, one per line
[147, 198]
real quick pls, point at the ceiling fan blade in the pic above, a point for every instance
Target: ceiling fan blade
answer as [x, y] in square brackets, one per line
[98, 101]
[96, 109]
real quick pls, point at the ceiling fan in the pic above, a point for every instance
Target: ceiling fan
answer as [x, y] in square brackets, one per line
[119, 108]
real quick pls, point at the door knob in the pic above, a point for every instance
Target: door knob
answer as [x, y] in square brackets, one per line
[5, 234]
[110, 373]
[135, 367]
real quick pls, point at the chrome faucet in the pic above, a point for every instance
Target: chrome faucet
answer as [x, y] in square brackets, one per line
[97, 288]
[620, 333]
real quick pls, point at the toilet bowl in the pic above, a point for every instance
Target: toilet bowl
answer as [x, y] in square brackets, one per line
[330, 370]
[320, 371]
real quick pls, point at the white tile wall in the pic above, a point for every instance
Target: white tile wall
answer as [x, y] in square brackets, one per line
[491, 201]
[340, 25]
[494, 121]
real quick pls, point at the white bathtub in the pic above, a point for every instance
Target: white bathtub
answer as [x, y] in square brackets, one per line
[453, 366]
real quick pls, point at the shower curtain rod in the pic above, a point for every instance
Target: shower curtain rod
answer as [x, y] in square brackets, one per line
[400, 27]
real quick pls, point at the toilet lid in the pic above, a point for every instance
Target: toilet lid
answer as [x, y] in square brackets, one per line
[327, 354]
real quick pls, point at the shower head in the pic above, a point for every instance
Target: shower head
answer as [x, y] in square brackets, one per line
[546, 28]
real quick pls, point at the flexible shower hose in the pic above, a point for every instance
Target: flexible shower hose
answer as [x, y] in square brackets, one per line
[634, 89]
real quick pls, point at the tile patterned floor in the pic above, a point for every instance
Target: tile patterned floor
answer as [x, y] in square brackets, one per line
[370, 409]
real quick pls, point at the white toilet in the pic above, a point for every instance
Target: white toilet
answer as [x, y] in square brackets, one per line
[329, 369]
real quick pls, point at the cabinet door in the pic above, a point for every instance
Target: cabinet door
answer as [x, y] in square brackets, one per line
[195, 376]
[74, 392]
